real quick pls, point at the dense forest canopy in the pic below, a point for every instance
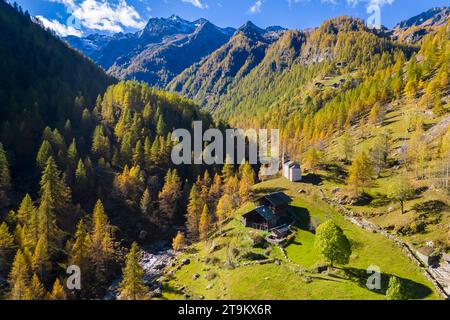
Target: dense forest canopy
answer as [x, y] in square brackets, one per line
[43, 82]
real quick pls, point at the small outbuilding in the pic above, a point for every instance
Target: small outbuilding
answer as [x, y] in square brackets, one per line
[428, 256]
[291, 170]
[281, 232]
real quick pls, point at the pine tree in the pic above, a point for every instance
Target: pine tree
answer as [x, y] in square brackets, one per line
[224, 208]
[36, 290]
[48, 227]
[395, 290]
[100, 143]
[126, 151]
[312, 159]
[232, 189]
[227, 171]
[146, 203]
[41, 264]
[138, 154]
[102, 248]
[72, 154]
[155, 157]
[58, 292]
[147, 153]
[361, 173]
[81, 175]
[205, 223]
[170, 195]
[216, 190]
[54, 189]
[6, 246]
[19, 277]
[19, 236]
[5, 177]
[179, 242]
[26, 210]
[380, 150]
[68, 134]
[194, 211]
[133, 286]
[346, 146]
[81, 248]
[161, 126]
[247, 181]
[44, 153]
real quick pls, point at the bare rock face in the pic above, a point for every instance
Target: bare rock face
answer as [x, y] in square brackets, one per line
[414, 29]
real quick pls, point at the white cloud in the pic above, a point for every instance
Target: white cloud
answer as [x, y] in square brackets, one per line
[100, 15]
[197, 3]
[59, 28]
[379, 3]
[68, 3]
[256, 8]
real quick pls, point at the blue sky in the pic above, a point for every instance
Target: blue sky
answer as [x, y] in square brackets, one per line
[81, 17]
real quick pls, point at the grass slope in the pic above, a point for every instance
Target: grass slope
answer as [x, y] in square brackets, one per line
[297, 279]
[382, 211]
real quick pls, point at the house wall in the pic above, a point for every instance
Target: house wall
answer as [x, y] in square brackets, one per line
[295, 174]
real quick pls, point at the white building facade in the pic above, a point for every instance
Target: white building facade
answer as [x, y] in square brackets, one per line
[291, 170]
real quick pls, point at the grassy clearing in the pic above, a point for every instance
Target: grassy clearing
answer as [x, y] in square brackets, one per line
[297, 280]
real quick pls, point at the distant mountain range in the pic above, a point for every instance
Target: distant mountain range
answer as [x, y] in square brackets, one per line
[200, 59]
[163, 49]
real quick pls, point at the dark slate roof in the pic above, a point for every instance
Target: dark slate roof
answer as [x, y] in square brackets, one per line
[427, 251]
[282, 230]
[278, 198]
[293, 165]
[264, 212]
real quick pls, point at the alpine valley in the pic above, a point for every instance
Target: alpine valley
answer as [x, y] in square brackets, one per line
[86, 177]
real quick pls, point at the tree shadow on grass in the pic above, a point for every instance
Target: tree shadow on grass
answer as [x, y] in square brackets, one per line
[167, 288]
[303, 218]
[312, 178]
[413, 289]
[263, 191]
[335, 173]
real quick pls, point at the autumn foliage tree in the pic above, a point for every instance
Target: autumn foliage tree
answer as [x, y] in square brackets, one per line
[179, 242]
[170, 195]
[361, 173]
[102, 247]
[194, 211]
[133, 286]
[19, 277]
[205, 223]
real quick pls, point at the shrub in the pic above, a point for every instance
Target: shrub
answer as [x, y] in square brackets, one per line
[210, 275]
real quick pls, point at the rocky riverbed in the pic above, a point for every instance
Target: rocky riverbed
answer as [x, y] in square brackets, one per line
[155, 259]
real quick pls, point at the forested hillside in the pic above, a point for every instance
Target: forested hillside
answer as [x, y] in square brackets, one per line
[43, 82]
[96, 174]
[209, 79]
